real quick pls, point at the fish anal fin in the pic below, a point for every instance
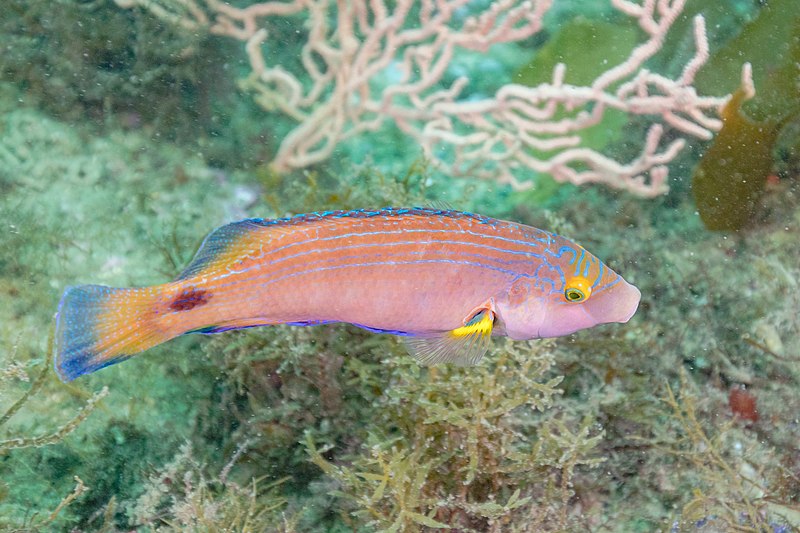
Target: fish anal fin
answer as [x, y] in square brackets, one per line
[463, 346]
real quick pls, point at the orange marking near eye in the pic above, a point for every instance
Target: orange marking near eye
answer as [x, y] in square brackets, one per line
[582, 284]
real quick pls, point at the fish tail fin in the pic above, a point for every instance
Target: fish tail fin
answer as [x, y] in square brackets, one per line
[98, 326]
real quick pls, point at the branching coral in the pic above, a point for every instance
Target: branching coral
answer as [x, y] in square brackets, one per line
[364, 64]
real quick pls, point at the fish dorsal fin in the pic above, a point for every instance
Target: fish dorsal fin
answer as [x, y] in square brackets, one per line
[442, 205]
[464, 346]
[225, 245]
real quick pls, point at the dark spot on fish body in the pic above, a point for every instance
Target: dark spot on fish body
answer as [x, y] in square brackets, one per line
[189, 299]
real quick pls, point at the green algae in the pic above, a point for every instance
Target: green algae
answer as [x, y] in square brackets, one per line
[456, 457]
[771, 44]
[587, 48]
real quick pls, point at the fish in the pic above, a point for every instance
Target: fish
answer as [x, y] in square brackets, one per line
[445, 281]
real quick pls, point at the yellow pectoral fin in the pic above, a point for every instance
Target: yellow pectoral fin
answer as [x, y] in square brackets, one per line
[480, 324]
[463, 346]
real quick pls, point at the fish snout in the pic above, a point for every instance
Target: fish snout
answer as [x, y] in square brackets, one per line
[615, 304]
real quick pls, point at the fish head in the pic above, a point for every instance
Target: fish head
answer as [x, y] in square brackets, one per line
[568, 290]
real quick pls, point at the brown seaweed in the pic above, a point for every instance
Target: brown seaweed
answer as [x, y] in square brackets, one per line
[732, 175]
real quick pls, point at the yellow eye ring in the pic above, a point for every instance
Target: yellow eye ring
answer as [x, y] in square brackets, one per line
[577, 290]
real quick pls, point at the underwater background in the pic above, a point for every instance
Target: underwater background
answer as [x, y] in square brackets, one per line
[130, 129]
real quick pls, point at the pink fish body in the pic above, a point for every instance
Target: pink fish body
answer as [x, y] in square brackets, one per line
[445, 280]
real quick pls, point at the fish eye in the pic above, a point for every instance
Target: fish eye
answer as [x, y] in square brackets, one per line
[574, 295]
[577, 290]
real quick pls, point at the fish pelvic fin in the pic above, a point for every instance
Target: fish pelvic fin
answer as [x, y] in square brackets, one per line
[463, 346]
[98, 326]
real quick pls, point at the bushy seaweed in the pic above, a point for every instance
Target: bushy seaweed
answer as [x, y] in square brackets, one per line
[467, 449]
[17, 439]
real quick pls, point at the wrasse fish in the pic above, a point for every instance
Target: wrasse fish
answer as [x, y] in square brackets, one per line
[445, 280]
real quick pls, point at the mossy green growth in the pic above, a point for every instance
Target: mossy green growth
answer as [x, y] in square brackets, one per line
[729, 493]
[292, 380]
[184, 496]
[92, 57]
[9, 443]
[466, 449]
[587, 48]
[323, 189]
